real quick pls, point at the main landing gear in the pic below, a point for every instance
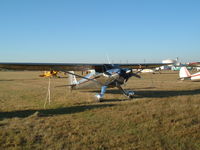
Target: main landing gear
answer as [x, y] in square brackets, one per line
[129, 94]
[99, 97]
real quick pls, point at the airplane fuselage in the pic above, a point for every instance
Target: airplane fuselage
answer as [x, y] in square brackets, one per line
[110, 78]
[195, 77]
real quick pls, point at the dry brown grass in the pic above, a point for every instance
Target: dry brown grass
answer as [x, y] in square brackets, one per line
[163, 115]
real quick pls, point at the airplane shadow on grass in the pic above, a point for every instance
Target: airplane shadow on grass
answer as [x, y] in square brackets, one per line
[77, 109]
[153, 93]
[11, 80]
[163, 94]
[51, 112]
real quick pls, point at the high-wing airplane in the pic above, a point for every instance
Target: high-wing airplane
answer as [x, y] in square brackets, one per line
[185, 74]
[101, 75]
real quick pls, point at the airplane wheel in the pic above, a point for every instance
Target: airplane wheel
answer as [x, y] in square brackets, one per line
[130, 94]
[130, 97]
[98, 98]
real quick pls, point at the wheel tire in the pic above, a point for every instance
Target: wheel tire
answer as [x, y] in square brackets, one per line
[98, 98]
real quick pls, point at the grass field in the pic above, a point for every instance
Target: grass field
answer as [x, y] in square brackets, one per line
[164, 115]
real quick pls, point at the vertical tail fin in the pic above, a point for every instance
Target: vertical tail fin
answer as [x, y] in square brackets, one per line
[72, 78]
[184, 73]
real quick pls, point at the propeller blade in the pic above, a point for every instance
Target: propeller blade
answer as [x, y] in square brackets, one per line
[136, 75]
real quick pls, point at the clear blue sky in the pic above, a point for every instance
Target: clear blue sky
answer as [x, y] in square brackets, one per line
[88, 30]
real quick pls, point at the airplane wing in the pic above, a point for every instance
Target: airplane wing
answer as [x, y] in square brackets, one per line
[48, 66]
[74, 66]
[142, 65]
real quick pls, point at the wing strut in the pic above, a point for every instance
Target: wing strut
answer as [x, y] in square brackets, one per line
[81, 76]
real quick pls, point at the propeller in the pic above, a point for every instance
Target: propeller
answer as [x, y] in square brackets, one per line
[135, 75]
[127, 73]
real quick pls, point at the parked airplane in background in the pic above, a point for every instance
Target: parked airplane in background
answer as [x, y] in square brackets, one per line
[185, 74]
[147, 71]
[102, 75]
[194, 64]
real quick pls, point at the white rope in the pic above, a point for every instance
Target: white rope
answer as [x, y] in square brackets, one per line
[152, 81]
[48, 97]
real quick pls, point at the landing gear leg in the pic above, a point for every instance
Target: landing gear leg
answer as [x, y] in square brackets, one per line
[99, 97]
[129, 94]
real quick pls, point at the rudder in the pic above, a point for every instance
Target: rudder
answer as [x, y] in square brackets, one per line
[184, 73]
[72, 78]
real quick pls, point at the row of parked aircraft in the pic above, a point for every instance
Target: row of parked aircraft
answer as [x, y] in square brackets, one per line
[101, 76]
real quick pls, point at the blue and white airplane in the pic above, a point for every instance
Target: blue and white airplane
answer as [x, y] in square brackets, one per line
[101, 76]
